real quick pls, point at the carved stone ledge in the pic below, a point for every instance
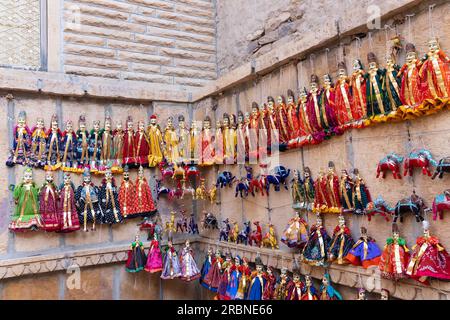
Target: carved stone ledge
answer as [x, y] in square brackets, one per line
[350, 276]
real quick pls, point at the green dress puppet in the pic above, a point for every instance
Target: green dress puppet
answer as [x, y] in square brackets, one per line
[377, 102]
[26, 215]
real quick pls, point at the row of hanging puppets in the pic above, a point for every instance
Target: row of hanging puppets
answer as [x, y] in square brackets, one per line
[420, 87]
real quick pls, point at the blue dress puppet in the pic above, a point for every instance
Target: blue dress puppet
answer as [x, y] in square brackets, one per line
[87, 202]
[95, 146]
[315, 250]
[365, 252]
[258, 282]
[69, 148]
[82, 144]
[235, 278]
[20, 152]
[53, 147]
[309, 291]
[327, 292]
[225, 278]
[171, 263]
[205, 268]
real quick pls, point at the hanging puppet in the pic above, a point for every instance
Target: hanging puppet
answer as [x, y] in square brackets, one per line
[395, 256]
[95, 146]
[206, 267]
[156, 142]
[235, 277]
[295, 288]
[154, 258]
[314, 109]
[282, 123]
[271, 282]
[48, 203]
[189, 269]
[106, 153]
[225, 278]
[341, 243]
[207, 143]
[328, 107]
[346, 188]
[410, 91]
[171, 152]
[136, 256]
[305, 128]
[229, 140]
[127, 196]
[282, 287]
[359, 86]
[253, 132]
[242, 144]
[26, 196]
[309, 291]
[315, 250]
[171, 263]
[377, 103]
[292, 120]
[82, 154]
[244, 280]
[53, 147]
[109, 199]
[67, 210]
[20, 152]
[129, 148]
[69, 148]
[361, 195]
[365, 251]
[258, 281]
[183, 141]
[144, 203]
[327, 292]
[38, 144]
[212, 278]
[118, 136]
[142, 145]
[345, 109]
[87, 200]
[296, 234]
[332, 190]
[392, 84]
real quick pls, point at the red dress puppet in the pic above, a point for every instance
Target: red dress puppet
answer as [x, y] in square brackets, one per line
[313, 109]
[395, 257]
[127, 196]
[346, 114]
[129, 149]
[282, 122]
[410, 93]
[144, 203]
[141, 142]
[269, 288]
[67, 210]
[428, 258]
[48, 200]
[212, 278]
[358, 86]
[292, 120]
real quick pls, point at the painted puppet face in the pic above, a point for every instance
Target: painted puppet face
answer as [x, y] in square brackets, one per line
[67, 179]
[247, 117]
[303, 96]
[270, 103]
[40, 123]
[356, 65]
[206, 124]
[187, 243]
[126, 175]
[327, 80]
[108, 175]
[130, 125]
[226, 122]
[87, 179]
[255, 112]
[182, 124]
[119, 125]
[141, 172]
[82, 126]
[237, 262]
[269, 271]
[341, 221]
[259, 268]
[362, 295]
[342, 73]
[141, 126]
[279, 100]
[107, 125]
[28, 176]
[313, 86]
[69, 126]
[54, 125]
[240, 118]
[49, 176]
[96, 125]
[291, 99]
[153, 121]
[389, 62]
[325, 281]
[170, 123]
[307, 281]
[319, 222]
[433, 46]
[373, 66]
[411, 57]
[136, 238]
[384, 295]
[296, 278]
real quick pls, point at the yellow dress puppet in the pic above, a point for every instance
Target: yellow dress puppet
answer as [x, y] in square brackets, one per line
[156, 142]
[171, 151]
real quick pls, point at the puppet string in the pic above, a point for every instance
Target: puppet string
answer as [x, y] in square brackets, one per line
[410, 37]
[311, 62]
[430, 20]
[327, 50]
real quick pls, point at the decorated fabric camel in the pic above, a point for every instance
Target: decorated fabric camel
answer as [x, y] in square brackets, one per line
[419, 159]
[413, 204]
[392, 162]
[442, 167]
[440, 204]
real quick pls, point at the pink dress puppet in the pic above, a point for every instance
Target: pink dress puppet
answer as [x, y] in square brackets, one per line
[154, 258]
[189, 268]
[48, 200]
[67, 210]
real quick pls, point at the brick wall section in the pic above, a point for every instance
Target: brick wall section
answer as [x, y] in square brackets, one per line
[160, 41]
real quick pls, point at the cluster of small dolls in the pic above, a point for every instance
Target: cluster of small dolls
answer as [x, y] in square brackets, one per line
[65, 208]
[378, 95]
[233, 279]
[172, 266]
[428, 257]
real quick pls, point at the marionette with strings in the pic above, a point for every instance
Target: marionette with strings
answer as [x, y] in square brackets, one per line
[156, 142]
[69, 148]
[20, 152]
[48, 203]
[67, 210]
[38, 144]
[109, 199]
[53, 147]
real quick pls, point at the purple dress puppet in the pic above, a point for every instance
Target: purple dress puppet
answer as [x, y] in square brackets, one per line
[20, 152]
[48, 200]
[189, 269]
[171, 265]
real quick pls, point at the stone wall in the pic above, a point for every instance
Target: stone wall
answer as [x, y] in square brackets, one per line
[167, 42]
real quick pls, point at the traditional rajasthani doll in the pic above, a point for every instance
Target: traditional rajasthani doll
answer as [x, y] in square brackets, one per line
[183, 141]
[295, 288]
[95, 146]
[281, 290]
[343, 99]
[144, 203]
[127, 196]
[82, 144]
[392, 83]
[171, 152]
[225, 278]
[258, 281]
[38, 144]
[365, 251]
[265, 133]
[20, 152]
[328, 107]
[189, 269]
[384, 294]
[87, 199]
[26, 196]
[244, 280]
[106, 153]
[309, 291]
[274, 132]
[395, 256]
[195, 138]
[48, 203]
[282, 122]
[253, 132]
[292, 120]
[235, 277]
[271, 282]
[428, 258]
[207, 143]
[358, 86]
[212, 278]
[129, 148]
[361, 195]
[333, 189]
[327, 292]
[346, 187]
[229, 140]
[377, 102]
[142, 145]
[308, 189]
[69, 148]
[156, 143]
[341, 243]
[171, 263]
[136, 256]
[154, 258]
[67, 210]
[435, 72]
[313, 108]
[206, 267]
[53, 147]
[316, 248]
[242, 145]
[304, 122]
[109, 199]
[296, 234]
[118, 146]
[321, 199]
[410, 92]
[296, 187]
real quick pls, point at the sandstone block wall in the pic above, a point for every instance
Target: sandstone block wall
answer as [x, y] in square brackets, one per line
[165, 42]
